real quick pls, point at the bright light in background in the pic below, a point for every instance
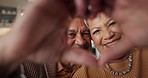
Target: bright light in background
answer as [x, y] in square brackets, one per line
[30, 0]
[96, 50]
[22, 14]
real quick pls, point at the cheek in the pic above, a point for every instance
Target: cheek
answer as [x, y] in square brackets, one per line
[97, 40]
[70, 42]
[88, 40]
[117, 30]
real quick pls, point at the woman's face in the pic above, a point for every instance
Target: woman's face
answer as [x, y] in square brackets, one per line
[104, 31]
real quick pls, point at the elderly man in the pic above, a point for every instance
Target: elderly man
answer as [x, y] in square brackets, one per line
[78, 37]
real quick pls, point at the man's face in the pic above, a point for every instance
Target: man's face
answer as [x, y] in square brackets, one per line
[78, 35]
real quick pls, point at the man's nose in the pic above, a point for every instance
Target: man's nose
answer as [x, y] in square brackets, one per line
[108, 34]
[80, 40]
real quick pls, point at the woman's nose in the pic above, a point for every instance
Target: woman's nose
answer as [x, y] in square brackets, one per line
[108, 34]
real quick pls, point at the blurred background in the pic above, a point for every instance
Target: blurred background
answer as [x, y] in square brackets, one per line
[9, 10]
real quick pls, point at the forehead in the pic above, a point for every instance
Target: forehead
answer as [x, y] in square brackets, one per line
[77, 24]
[99, 20]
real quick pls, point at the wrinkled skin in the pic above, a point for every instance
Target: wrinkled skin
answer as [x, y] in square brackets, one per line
[105, 32]
[78, 36]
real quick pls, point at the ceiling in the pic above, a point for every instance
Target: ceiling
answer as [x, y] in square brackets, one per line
[13, 3]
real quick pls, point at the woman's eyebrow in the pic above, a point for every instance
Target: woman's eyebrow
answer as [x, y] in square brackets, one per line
[108, 21]
[94, 28]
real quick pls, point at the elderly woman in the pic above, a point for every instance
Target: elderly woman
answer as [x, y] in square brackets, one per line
[105, 33]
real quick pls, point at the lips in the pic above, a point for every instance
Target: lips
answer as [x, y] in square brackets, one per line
[111, 43]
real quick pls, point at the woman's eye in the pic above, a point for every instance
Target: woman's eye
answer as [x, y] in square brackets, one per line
[112, 24]
[97, 31]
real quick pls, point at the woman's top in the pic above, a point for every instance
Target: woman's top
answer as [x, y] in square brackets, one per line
[139, 68]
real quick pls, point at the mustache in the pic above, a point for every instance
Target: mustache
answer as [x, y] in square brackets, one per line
[85, 47]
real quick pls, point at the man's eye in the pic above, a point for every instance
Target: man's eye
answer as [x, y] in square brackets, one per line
[71, 35]
[86, 34]
[97, 31]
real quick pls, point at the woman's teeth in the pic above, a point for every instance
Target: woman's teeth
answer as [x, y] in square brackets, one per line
[110, 44]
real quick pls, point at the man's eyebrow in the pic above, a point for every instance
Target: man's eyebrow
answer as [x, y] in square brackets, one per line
[71, 30]
[86, 30]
